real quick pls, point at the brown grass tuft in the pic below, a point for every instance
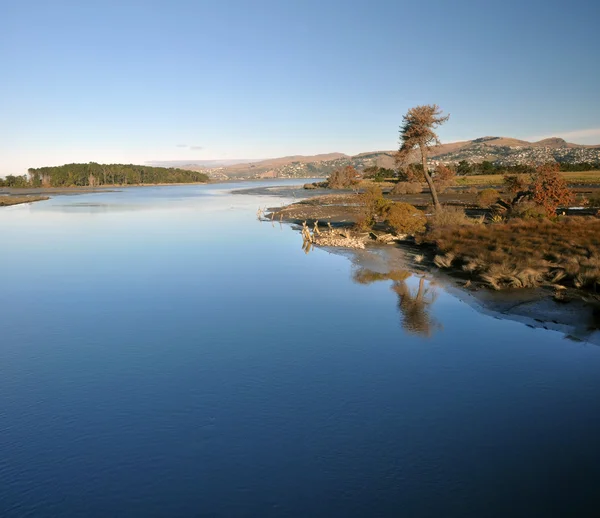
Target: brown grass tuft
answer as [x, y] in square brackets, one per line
[523, 253]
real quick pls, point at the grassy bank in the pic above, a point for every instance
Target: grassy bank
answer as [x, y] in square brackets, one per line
[522, 254]
[6, 201]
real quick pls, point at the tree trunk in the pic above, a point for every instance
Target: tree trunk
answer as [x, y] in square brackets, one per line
[428, 179]
[421, 292]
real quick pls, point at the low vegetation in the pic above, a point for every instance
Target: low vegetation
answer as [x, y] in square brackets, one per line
[572, 178]
[373, 207]
[407, 188]
[342, 178]
[6, 201]
[449, 216]
[487, 198]
[404, 218]
[521, 253]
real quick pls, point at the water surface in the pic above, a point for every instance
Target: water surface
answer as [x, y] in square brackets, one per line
[163, 353]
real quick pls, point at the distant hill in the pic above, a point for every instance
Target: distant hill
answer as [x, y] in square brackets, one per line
[500, 150]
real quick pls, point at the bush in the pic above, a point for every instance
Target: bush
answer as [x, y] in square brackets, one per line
[527, 210]
[550, 190]
[342, 178]
[449, 216]
[515, 183]
[407, 188]
[444, 177]
[594, 201]
[373, 205]
[487, 198]
[405, 218]
[309, 186]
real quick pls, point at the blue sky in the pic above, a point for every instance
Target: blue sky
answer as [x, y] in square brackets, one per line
[139, 81]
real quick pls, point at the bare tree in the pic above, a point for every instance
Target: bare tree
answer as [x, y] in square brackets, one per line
[417, 131]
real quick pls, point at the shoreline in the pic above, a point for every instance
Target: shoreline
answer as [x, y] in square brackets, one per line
[10, 201]
[577, 320]
[572, 311]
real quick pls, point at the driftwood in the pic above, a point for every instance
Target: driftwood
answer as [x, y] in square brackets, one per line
[331, 237]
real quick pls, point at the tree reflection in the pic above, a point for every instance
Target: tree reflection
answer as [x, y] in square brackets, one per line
[413, 305]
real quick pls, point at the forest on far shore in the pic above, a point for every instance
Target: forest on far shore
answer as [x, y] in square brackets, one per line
[95, 175]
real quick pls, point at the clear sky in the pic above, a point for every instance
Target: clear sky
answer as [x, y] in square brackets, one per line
[139, 81]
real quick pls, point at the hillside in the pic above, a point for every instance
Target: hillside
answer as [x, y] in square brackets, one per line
[500, 150]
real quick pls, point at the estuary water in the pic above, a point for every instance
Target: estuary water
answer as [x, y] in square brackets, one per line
[164, 353]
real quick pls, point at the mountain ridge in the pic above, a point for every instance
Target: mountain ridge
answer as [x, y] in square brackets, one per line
[500, 150]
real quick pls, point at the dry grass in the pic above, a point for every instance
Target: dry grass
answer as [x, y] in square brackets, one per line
[407, 188]
[523, 253]
[487, 197]
[449, 216]
[6, 201]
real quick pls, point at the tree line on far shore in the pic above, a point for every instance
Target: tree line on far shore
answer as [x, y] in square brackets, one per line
[94, 175]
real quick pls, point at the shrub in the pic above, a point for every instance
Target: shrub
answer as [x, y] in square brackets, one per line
[373, 205]
[342, 178]
[412, 173]
[550, 190]
[407, 188]
[449, 216]
[515, 183]
[309, 186]
[527, 210]
[594, 201]
[444, 177]
[487, 197]
[405, 218]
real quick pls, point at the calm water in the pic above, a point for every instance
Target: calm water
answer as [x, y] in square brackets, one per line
[163, 353]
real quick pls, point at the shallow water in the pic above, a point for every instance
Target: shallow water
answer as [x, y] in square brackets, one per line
[163, 353]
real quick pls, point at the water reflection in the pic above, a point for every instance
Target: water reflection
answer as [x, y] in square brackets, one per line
[414, 303]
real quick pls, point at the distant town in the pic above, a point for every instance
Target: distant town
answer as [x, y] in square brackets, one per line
[498, 150]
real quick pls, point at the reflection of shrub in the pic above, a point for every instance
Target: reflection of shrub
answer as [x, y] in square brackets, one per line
[407, 188]
[404, 218]
[487, 197]
[449, 216]
[527, 210]
[364, 276]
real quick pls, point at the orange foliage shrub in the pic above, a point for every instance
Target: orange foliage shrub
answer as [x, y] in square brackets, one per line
[342, 178]
[444, 176]
[550, 190]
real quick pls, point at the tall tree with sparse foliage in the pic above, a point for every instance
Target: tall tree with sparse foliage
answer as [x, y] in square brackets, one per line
[417, 131]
